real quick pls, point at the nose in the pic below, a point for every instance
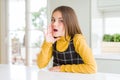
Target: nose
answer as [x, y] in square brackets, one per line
[56, 23]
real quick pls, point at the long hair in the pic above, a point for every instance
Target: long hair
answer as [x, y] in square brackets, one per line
[69, 20]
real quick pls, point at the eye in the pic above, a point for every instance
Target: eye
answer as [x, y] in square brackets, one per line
[60, 20]
[52, 20]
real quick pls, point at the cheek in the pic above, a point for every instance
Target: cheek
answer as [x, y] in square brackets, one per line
[62, 29]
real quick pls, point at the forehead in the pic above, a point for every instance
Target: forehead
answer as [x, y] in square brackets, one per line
[57, 14]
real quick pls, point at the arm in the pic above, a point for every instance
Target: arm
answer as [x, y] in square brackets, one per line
[85, 52]
[45, 55]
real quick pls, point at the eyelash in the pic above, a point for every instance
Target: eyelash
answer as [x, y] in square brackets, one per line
[61, 20]
[53, 20]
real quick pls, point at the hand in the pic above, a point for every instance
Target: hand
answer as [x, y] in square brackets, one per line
[55, 69]
[49, 35]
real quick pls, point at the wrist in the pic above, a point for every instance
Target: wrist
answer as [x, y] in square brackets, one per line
[49, 42]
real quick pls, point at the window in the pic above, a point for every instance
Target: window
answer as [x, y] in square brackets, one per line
[26, 21]
[103, 22]
[112, 22]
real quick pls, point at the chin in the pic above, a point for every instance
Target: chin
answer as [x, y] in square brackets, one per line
[56, 35]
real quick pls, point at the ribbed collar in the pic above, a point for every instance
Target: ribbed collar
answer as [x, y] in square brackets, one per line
[63, 38]
[62, 43]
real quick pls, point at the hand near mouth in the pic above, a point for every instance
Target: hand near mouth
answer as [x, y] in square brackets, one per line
[49, 35]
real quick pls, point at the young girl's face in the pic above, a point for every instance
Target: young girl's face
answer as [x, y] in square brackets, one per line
[57, 24]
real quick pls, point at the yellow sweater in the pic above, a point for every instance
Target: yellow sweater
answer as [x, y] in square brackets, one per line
[81, 48]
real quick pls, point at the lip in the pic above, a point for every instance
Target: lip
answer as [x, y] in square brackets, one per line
[57, 36]
[55, 30]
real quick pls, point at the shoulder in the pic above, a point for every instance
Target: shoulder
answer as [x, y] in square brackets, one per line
[78, 37]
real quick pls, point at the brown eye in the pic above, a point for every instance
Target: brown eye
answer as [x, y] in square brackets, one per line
[52, 20]
[61, 20]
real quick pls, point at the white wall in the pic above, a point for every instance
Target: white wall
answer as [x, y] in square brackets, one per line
[82, 9]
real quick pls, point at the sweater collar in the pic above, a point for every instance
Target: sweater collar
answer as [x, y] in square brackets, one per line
[63, 38]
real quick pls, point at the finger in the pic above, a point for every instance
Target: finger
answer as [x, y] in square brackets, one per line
[45, 31]
[51, 69]
[50, 28]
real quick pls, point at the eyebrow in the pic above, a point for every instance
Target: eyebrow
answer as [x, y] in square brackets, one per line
[57, 18]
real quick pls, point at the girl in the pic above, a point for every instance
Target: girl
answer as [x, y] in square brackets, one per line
[65, 42]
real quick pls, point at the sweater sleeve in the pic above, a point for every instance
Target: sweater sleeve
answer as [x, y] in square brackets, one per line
[45, 55]
[81, 47]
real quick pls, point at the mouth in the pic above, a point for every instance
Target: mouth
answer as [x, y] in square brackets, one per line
[55, 30]
[57, 37]
[55, 33]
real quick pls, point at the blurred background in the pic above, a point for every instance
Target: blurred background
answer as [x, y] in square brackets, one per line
[22, 23]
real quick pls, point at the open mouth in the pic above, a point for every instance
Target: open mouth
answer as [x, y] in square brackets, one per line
[57, 37]
[55, 30]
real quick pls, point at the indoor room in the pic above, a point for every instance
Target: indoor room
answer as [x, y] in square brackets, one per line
[22, 27]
